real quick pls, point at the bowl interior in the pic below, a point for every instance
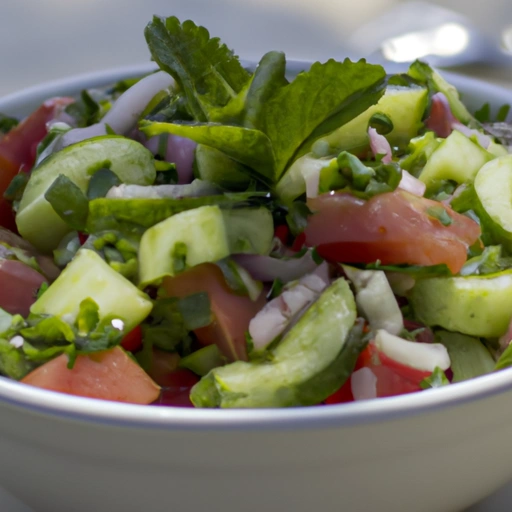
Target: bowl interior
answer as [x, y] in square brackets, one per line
[475, 94]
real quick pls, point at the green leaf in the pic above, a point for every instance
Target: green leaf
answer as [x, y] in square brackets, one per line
[205, 69]
[502, 114]
[85, 111]
[435, 380]
[88, 316]
[69, 202]
[416, 271]
[48, 330]
[165, 327]
[268, 78]
[7, 123]
[489, 261]
[249, 147]
[317, 102]
[423, 73]
[505, 360]
[195, 310]
[179, 257]
[382, 123]
[439, 213]
[484, 113]
[101, 182]
[469, 357]
[297, 218]
[13, 363]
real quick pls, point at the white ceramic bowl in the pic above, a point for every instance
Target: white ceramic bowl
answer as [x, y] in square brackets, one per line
[436, 451]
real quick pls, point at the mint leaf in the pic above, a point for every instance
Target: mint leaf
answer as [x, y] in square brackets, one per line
[88, 316]
[416, 271]
[268, 78]
[207, 72]
[85, 111]
[435, 380]
[101, 182]
[317, 102]
[165, 327]
[69, 202]
[195, 310]
[502, 114]
[7, 123]
[249, 147]
[13, 362]
[483, 114]
[440, 213]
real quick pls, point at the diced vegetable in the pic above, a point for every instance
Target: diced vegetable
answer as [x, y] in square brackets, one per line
[110, 375]
[393, 228]
[307, 366]
[89, 276]
[36, 219]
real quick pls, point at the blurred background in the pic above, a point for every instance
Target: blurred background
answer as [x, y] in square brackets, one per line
[46, 39]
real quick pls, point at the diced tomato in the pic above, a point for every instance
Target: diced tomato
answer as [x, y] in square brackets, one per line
[393, 378]
[162, 364]
[343, 395]
[283, 233]
[18, 149]
[82, 238]
[232, 313]
[133, 340]
[299, 242]
[176, 391]
[108, 375]
[395, 228]
[19, 284]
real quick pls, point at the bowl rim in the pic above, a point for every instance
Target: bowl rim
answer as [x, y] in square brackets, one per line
[68, 407]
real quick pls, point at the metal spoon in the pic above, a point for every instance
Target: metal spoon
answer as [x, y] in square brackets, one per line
[439, 36]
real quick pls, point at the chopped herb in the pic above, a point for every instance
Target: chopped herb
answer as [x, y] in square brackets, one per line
[440, 213]
[7, 123]
[435, 380]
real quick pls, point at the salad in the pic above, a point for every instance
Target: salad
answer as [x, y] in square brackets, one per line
[212, 236]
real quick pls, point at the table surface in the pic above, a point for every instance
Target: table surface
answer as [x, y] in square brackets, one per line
[43, 40]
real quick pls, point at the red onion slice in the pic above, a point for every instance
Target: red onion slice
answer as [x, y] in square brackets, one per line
[412, 184]
[380, 146]
[125, 112]
[363, 384]
[267, 268]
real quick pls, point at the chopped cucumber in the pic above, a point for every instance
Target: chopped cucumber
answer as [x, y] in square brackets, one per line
[469, 358]
[404, 106]
[89, 276]
[214, 166]
[203, 360]
[424, 73]
[312, 361]
[36, 219]
[457, 158]
[202, 235]
[493, 187]
[473, 305]
[293, 183]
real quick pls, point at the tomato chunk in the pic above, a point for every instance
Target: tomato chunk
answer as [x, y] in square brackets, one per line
[395, 228]
[132, 341]
[19, 284]
[176, 392]
[108, 375]
[18, 149]
[232, 313]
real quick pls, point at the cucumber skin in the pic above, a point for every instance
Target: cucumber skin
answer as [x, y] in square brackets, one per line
[312, 385]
